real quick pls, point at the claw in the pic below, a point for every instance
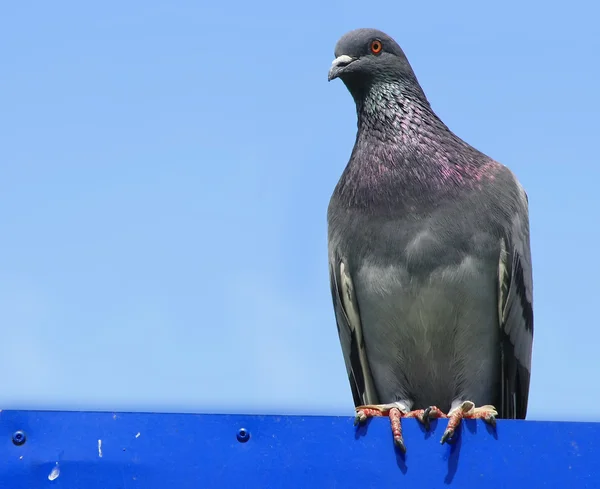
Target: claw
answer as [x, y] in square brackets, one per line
[400, 444]
[360, 417]
[448, 434]
[425, 418]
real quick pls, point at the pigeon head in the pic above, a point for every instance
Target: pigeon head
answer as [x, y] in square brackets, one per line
[368, 57]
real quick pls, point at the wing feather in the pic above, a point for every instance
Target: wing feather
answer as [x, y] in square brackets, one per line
[515, 307]
[350, 332]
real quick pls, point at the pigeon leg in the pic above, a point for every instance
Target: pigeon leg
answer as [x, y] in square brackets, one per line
[395, 411]
[468, 410]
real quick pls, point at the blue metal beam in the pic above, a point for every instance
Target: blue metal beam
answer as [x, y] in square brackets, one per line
[140, 450]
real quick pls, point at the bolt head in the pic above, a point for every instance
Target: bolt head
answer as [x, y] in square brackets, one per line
[243, 435]
[19, 438]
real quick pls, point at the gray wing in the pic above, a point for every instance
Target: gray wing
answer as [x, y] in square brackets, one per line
[515, 309]
[350, 331]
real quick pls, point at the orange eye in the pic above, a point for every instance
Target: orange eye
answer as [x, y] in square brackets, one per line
[376, 46]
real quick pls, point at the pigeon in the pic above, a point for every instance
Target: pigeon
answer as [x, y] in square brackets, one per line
[429, 257]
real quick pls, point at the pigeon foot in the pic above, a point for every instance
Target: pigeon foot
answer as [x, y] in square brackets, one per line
[468, 410]
[397, 411]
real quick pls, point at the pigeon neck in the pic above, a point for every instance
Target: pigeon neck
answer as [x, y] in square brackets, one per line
[401, 143]
[397, 112]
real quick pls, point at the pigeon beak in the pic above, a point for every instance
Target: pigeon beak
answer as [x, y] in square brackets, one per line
[338, 66]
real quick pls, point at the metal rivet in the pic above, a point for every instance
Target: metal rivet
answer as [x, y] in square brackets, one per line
[19, 438]
[243, 435]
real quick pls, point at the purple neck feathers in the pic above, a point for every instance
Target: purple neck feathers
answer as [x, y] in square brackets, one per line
[404, 154]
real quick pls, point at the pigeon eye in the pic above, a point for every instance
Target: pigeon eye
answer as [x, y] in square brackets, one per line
[376, 46]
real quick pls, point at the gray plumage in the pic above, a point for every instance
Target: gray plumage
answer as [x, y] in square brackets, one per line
[429, 251]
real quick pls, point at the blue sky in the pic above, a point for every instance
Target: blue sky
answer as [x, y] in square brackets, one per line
[165, 171]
